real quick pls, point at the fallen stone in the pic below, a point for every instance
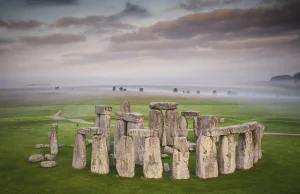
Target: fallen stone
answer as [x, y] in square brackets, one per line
[227, 154]
[168, 150]
[163, 105]
[125, 106]
[171, 125]
[42, 146]
[152, 166]
[50, 157]
[79, 153]
[156, 123]
[125, 162]
[192, 146]
[103, 110]
[120, 131]
[36, 158]
[91, 130]
[222, 120]
[139, 132]
[99, 161]
[133, 117]
[48, 164]
[245, 151]
[180, 163]
[206, 158]
[183, 127]
[166, 167]
[105, 124]
[164, 156]
[53, 139]
[190, 113]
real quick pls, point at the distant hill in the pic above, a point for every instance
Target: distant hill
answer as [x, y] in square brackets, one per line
[282, 78]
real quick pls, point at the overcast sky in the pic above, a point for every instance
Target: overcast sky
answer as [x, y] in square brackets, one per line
[91, 42]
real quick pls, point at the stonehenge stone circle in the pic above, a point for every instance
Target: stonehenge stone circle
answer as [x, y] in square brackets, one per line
[125, 161]
[180, 164]
[171, 125]
[125, 106]
[99, 161]
[227, 154]
[79, 153]
[48, 164]
[120, 131]
[152, 167]
[183, 127]
[36, 158]
[156, 123]
[53, 140]
[206, 158]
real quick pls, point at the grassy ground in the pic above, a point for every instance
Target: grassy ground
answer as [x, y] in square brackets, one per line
[24, 124]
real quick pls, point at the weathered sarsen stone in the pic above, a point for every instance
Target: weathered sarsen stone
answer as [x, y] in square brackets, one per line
[125, 161]
[180, 164]
[156, 123]
[91, 130]
[183, 127]
[152, 159]
[79, 154]
[54, 141]
[227, 154]
[163, 105]
[196, 125]
[206, 158]
[103, 109]
[125, 106]
[36, 158]
[97, 120]
[99, 161]
[245, 151]
[105, 124]
[139, 132]
[190, 113]
[48, 164]
[132, 117]
[120, 131]
[139, 143]
[171, 126]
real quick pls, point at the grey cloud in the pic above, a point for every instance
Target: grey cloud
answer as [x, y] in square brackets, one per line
[200, 4]
[54, 39]
[131, 10]
[51, 2]
[20, 24]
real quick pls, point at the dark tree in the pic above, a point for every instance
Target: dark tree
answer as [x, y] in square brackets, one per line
[141, 89]
[198, 92]
[296, 77]
[230, 93]
[214, 92]
[175, 90]
[183, 91]
[188, 92]
[121, 88]
[114, 88]
[124, 89]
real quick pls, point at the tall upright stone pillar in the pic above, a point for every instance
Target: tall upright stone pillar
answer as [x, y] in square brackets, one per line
[53, 139]
[180, 164]
[120, 131]
[171, 126]
[104, 121]
[125, 162]
[183, 127]
[79, 154]
[245, 151]
[196, 123]
[156, 123]
[125, 106]
[99, 161]
[227, 154]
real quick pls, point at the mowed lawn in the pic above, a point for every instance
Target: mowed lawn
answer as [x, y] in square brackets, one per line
[22, 125]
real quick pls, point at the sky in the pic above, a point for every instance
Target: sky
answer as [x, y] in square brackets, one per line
[107, 42]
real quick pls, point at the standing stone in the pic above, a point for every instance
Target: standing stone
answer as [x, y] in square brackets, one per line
[196, 123]
[156, 123]
[120, 131]
[227, 154]
[152, 159]
[164, 139]
[99, 161]
[79, 154]
[112, 161]
[206, 123]
[262, 129]
[171, 126]
[54, 143]
[245, 151]
[181, 154]
[125, 161]
[183, 127]
[125, 106]
[105, 124]
[256, 144]
[139, 143]
[206, 158]
[97, 121]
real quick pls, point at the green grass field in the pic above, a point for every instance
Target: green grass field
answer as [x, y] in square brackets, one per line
[26, 123]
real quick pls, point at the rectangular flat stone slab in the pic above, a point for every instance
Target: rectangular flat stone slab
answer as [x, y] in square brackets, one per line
[163, 105]
[139, 132]
[190, 113]
[133, 117]
[236, 129]
[91, 130]
[103, 110]
[217, 131]
[252, 125]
